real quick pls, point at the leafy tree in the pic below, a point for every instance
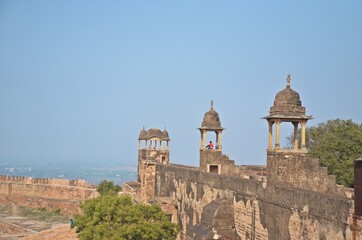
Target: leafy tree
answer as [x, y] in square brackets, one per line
[107, 187]
[337, 143]
[112, 217]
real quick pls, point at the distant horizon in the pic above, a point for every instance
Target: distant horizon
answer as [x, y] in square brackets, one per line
[92, 173]
[105, 164]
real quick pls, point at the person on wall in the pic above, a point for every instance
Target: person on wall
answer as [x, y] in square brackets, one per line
[210, 146]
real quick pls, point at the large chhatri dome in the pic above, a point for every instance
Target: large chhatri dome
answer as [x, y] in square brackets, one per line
[211, 119]
[287, 103]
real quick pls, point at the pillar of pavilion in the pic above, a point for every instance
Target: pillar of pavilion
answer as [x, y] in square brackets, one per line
[287, 108]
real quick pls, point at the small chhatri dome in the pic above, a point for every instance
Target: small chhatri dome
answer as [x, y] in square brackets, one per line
[165, 135]
[287, 102]
[143, 134]
[211, 118]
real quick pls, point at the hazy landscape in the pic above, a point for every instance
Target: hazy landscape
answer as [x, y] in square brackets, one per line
[91, 172]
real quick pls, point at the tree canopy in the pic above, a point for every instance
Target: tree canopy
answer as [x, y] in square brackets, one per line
[112, 217]
[337, 143]
[108, 187]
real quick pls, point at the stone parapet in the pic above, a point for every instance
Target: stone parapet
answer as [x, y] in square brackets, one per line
[300, 171]
[47, 181]
[52, 194]
[261, 211]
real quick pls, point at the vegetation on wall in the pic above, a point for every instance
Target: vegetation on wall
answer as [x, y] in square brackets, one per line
[110, 216]
[337, 143]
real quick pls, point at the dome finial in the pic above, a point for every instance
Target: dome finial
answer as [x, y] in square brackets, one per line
[288, 80]
[212, 104]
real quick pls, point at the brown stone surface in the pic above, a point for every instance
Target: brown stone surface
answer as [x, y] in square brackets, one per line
[300, 171]
[147, 190]
[216, 158]
[8, 228]
[261, 211]
[62, 232]
[52, 194]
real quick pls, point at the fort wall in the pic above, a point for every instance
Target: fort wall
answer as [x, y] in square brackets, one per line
[49, 181]
[52, 194]
[262, 210]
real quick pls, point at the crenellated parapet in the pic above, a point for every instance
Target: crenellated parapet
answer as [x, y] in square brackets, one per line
[48, 181]
[62, 194]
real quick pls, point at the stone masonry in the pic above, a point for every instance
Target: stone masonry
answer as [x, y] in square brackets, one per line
[52, 194]
[291, 198]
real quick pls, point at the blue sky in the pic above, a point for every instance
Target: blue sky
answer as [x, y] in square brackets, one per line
[79, 79]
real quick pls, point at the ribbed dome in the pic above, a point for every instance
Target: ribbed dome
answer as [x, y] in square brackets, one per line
[211, 119]
[287, 102]
[143, 134]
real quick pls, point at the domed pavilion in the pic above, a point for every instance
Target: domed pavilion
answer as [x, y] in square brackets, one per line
[153, 138]
[211, 123]
[287, 108]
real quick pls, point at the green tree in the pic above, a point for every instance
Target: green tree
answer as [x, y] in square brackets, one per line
[337, 143]
[107, 187]
[112, 217]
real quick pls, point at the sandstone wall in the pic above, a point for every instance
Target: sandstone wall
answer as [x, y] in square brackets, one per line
[302, 172]
[48, 181]
[215, 157]
[262, 210]
[52, 194]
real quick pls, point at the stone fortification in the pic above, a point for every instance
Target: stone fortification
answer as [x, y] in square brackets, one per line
[299, 171]
[49, 181]
[52, 194]
[291, 198]
[261, 210]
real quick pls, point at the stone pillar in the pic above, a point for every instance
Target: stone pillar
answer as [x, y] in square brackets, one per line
[303, 123]
[219, 140]
[168, 145]
[203, 139]
[146, 144]
[277, 135]
[270, 140]
[160, 144]
[295, 140]
[139, 144]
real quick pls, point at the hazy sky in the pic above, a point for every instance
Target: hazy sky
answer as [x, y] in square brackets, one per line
[79, 79]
